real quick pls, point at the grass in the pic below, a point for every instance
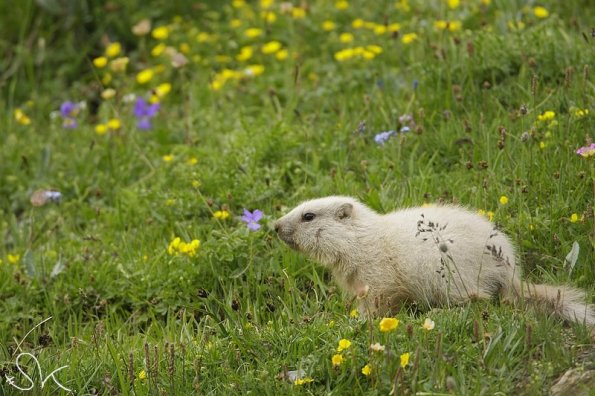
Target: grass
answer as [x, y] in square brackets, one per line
[129, 318]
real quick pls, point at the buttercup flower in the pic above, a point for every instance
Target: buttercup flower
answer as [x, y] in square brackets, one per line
[143, 112]
[221, 214]
[388, 324]
[303, 381]
[160, 33]
[354, 313]
[142, 375]
[404, 359]
[21, 117]
[408, 38]
[343, 344]
[573, 218]
[144, 76]
[428, 324]
[541, 12]
[503, 200]
[327, 26]
[113, 50]
[252, 218]
[177, 247]
[271, 47]
[546, 116]
[13, 258]
[100, 62]
[337, 359]
[367, 370]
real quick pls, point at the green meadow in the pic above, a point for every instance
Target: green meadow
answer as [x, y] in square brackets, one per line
[135, 137]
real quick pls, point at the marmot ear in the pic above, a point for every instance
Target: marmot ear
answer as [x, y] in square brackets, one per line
[344, 211]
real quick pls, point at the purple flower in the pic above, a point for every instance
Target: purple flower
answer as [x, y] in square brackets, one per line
[405, 129]
[382, 137]
[68, 111]
[252, 219]
[144, 112]
[587, 151]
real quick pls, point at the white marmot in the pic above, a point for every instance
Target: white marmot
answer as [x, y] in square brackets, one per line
[432, 256]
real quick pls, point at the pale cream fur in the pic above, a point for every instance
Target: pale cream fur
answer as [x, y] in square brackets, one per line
[432, 256]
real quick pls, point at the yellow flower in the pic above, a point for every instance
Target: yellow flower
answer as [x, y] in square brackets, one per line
[388, 324]
[195, 183]
[428, 324]
[503, 200]
[113, 50]
[573, 218]
[189, 249]
[114, 124]
[452, 26]
[346, 37]
[252, 32]
[168, 158]
[170, 202]
[158, 49]
[142, 375]
[107, 94]
[376, 49]
[184, 48]
[254, 70]
[271, 47]
[100, 129]
[266, 4]
[203, 37]
[408, 38]
[367, 370]
[393, 27]
[452, 4]
[245, 53]
[546, 116]
[13, 258]
[100, 62]
[327, 26]
[302, 381]
[106, 79]
[298, 12]
[343, 344]
[221, 214]
[238, 3]
[163, 89]
[268, 16]
[235, 23]
[192, 161]
[282, 55]
[354, 313]
[403, 5]
[337, 359]
[119, 64]
[542, 145]
[21, 117]
[404, 359]
[160, 33]
[341, 5]
[357, 23]
[379, 29]
[144, 76]
[540, 12]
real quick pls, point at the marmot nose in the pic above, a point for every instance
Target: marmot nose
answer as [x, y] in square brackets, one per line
[277, 227]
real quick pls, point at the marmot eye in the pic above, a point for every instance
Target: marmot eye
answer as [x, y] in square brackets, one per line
[308, 217]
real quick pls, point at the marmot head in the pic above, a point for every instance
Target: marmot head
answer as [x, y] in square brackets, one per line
[325, 229]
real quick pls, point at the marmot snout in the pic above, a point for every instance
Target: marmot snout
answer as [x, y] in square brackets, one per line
[433, 256]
